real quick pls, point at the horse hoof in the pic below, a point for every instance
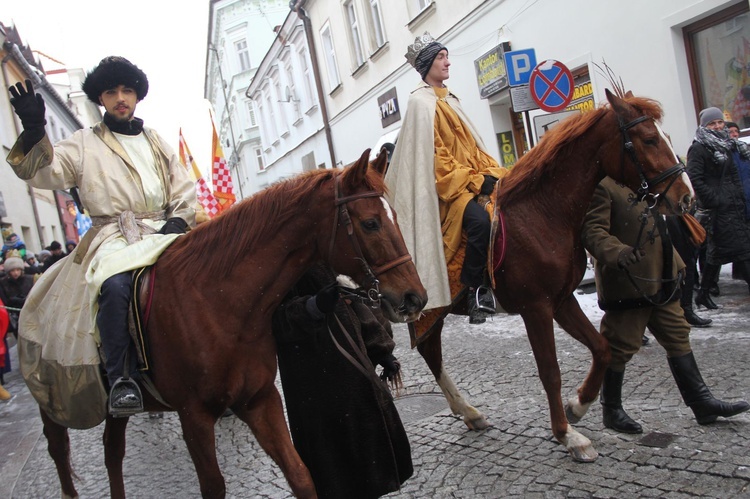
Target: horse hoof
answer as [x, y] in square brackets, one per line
[583, 455]
[477, 423]
[572, 418]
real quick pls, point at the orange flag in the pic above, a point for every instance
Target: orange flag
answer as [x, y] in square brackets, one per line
[222, 177]
[205, 197]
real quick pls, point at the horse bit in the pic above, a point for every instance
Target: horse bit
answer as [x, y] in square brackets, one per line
[372, 293]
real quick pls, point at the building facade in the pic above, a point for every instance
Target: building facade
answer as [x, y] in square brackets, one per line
[38, 216]
[286, 99]
[239, 35]
[686, 56]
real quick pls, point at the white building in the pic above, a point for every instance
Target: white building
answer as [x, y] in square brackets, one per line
[38, 216]
[688, 56]
[287, 101]
[239, 34]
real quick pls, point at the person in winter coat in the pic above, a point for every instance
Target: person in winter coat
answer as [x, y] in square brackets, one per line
[4, 322]
[637, 280]
[15, 287]
[13, 243]
[343, 422]
[140, 199]
[719, 169]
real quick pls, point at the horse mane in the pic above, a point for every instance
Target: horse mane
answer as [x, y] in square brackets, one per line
[217, 245]
[547, 156]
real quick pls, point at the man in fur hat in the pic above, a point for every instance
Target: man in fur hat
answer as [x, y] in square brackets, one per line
[441, 157]
[140, 199]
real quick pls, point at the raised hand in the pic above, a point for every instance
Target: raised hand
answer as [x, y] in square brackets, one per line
[28, 106]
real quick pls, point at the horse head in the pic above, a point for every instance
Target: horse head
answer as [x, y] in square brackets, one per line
[367, 244]
[653, 172]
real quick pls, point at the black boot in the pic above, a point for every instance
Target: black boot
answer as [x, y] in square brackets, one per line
[125, 398]
[709, 278]
[696, 394]
[704, 298]
[613, 415]
[693, 319]
[480, 303]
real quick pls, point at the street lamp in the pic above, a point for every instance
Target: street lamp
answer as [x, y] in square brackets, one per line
[234, 159]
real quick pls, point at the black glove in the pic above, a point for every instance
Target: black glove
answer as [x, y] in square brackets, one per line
[391, 367]
[327, 298]
[488, 185]
[174, 225]
[629, 256]
[28, 106]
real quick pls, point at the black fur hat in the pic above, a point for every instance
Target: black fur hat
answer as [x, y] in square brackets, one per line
[111, 72]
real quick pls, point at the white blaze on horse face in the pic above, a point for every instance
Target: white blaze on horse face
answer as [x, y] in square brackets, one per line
[388, 210]
[683, 176]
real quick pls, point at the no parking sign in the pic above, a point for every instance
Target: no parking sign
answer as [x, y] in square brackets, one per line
[551, 85]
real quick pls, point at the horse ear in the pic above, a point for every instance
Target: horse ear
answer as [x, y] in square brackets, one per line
[622, 108]
[628, 94]
[381, 162]
[355, 174]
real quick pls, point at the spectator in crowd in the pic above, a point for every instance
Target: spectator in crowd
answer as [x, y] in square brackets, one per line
[689, 254]
[4, 322]
[32, 267]
[733, 129]
[42, 258]
[56, 254]
[15, 286]
[719, 169]
[13, 243]
[637, 281]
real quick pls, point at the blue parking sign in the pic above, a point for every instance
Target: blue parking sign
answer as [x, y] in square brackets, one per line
[520, 64]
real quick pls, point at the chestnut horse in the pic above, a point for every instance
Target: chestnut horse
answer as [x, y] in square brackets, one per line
[544, 199]
[215, 290]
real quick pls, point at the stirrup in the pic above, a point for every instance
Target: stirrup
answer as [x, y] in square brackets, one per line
[125, 398]
[485, 300]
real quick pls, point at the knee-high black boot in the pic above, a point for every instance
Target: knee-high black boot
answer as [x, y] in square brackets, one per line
[696, 394]
[710, 273]
[613, 415]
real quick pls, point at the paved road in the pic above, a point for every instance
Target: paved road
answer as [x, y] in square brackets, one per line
[494, 366]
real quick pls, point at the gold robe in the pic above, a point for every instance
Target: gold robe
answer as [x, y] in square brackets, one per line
[437, 168]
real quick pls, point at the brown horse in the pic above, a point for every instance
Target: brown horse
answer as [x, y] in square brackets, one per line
[544, 200]
[215, 291]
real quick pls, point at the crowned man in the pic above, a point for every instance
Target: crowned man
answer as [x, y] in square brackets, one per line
[140, 199]
[439, 168]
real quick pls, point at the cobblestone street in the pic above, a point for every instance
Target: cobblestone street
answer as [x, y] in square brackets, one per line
[493, 365]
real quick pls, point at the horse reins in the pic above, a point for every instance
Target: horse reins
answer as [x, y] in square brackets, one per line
[673, 172]
[643, 217]
[372, 293]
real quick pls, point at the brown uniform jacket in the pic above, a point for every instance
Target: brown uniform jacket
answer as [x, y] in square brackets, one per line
[611, 225]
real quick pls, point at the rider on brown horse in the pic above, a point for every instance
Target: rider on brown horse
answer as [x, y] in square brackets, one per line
[137, 192]
[439, 168]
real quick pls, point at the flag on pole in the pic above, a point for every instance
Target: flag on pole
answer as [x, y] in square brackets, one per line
[205, 197]
[221, 176]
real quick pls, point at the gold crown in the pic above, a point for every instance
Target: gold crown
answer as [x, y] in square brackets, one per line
[420, 42]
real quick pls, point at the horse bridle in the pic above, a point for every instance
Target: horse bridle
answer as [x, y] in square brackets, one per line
[372, 292]
[673, 172]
